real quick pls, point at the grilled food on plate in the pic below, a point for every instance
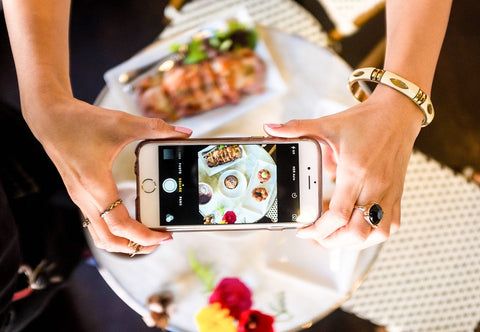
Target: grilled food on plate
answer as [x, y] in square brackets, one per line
[222, 155]
[216, 71]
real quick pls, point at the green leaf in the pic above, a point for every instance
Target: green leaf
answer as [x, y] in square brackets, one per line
[235, 25]
[195, 52]
[214, 41]
[252, 39]
[225, 45]
[175, 47]
[204, 272]
[195, 57]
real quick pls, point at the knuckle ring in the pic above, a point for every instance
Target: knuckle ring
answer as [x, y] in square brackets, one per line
[136, 248]
[86, 223]
[372, 213]
[111, 207]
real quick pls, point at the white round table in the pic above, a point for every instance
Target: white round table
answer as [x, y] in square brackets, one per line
[278, 267]
[425, 277]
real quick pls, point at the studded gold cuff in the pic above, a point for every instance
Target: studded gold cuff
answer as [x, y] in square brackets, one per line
[375, 75]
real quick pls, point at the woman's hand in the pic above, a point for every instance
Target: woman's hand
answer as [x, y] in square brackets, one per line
[83, 141]
[372, 143]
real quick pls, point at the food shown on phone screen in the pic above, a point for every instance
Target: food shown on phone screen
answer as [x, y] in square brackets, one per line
[227, 184]
[243, 182]
[260, 194]
[264, 175]
[222, 154]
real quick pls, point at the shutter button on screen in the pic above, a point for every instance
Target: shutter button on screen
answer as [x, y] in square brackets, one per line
[169, 185]
[149, 186]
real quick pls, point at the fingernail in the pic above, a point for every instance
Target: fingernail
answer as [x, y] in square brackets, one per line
[183, 130]
[273, 125]
[167, 240]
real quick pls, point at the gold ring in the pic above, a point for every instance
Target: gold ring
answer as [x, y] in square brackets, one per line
[86, 223]
[372, 213]
[136, 248]
[132, 244]
[111, 207]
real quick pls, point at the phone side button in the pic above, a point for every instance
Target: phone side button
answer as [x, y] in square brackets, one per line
[276, 228]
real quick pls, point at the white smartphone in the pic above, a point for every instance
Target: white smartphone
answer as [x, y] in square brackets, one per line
[228, 183]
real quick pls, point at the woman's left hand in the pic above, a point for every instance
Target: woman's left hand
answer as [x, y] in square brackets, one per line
[372, 143]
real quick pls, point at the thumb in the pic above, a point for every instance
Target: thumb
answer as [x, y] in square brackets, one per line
[295, 128]
[141, 128]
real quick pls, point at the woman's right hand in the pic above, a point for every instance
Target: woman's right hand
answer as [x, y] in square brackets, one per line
[83, 141]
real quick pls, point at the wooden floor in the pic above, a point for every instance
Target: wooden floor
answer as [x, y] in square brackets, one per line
[103, 35]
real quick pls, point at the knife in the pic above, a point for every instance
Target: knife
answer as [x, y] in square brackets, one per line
[163, 64]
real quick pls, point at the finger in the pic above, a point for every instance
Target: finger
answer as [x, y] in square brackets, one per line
[359, 234]
[323, 227]
[102, 237]
[108, 232]
[120, 245]
[295, 128]
[354, 234]
[385, 230]
[112, 243]
[345, 194]
[329, 161]
[120, 224]
[117, 221]
[142, 127]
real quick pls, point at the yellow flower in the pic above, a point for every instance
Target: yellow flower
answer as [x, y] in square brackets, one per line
[215, 319]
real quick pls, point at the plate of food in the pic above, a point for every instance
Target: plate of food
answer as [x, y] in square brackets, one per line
[201, 78]
[232, 183]
[216, 158]
[262, 187]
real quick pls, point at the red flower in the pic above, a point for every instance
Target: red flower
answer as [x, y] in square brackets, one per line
[232, 294]
[229, 217]
[255, 321]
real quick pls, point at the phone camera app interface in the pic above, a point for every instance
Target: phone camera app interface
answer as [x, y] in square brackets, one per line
[229, 184]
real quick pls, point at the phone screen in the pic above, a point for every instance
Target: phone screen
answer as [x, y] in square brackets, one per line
[228, 184]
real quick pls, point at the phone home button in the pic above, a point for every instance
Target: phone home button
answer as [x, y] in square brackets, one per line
[149, 186]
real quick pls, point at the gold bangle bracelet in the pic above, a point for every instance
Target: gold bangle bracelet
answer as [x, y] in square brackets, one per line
[412, 91]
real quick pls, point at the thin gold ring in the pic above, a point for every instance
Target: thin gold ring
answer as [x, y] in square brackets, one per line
[111, 207]
[136, 248]
[86, 223]
[132, 244]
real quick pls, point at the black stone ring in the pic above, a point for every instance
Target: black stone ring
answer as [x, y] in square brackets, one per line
[372, 213]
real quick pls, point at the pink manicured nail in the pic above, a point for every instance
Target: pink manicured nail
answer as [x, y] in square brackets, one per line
[273, 125]
[167, 240]
[183, 130]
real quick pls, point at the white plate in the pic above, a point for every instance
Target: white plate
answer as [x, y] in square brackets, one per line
[208, 121]
[239, 190]
[216, 169]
